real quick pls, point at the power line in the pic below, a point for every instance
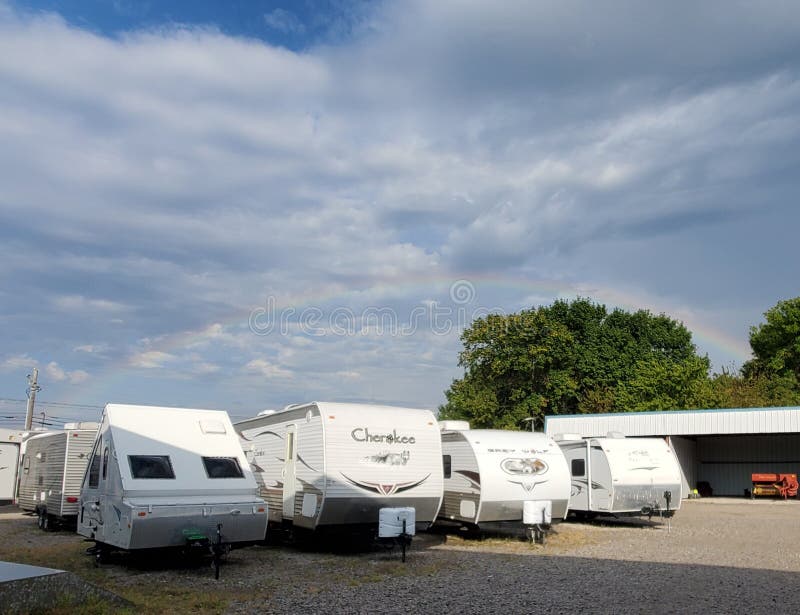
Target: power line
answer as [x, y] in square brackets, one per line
[51, 403]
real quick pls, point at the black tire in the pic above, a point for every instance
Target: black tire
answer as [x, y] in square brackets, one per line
[40, 520]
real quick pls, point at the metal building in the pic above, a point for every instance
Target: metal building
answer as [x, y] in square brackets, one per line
[720, 447]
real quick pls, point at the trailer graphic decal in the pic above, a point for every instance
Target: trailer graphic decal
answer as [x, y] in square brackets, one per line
[394, 459]
[527, 485]
[474, 478]
[528, 465]
[385, 488]
[280, 437]
[578, 485]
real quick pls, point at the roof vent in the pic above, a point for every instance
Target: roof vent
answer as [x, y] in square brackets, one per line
[567, 437]
[209, 427]
[453, 425]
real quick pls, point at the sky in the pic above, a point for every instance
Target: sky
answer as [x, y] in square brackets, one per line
[247, 204]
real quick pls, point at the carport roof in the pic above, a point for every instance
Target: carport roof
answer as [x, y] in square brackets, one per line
[679, 422]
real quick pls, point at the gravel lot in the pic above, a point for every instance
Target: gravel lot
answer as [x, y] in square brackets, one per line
[717, 555]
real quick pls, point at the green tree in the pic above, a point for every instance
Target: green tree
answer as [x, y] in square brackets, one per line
[776, 343]
[573, 356]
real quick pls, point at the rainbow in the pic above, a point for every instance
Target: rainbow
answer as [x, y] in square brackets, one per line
[527, 292]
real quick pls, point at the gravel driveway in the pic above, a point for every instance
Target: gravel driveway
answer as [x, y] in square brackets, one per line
[720, 556]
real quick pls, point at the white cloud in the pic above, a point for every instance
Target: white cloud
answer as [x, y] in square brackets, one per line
[91, 348]
[150, 359]
[76, 303]
[264, 368]
[56, 373]
[196, 174]
[284, 21]
[18, 362]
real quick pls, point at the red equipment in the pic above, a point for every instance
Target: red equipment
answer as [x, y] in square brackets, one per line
[783, 485]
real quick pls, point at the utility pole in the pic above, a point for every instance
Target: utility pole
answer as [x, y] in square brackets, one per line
[33, 388]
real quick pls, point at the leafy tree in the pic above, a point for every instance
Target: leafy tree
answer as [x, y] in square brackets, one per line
[776, 343]
[573, 356]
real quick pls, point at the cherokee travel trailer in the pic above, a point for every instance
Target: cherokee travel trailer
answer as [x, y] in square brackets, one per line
[166, 477]
[10, 441]
[327, 465]
[628, 476]
[53, 465]
[489, 474]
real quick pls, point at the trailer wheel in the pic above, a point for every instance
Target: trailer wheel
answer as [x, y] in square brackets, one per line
[100, 555]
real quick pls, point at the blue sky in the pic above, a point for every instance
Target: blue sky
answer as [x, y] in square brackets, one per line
[243, 205]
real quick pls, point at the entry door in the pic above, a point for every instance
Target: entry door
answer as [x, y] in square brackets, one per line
[288, 472]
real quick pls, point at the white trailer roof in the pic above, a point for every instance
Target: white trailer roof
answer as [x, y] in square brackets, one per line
[679, 422]
[501, 438]
[184, 435]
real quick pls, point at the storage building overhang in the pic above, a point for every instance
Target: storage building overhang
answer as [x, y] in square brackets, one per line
[718, 450]
[679, 422]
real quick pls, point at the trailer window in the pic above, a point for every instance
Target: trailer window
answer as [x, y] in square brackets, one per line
[448, 465]
[151, 466]
[578, 467]
[94, 469]
[223, 467]
[105, 463]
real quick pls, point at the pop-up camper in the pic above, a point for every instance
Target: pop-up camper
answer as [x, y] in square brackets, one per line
[323, 465]
[53, 465]
[622, 476]
[166, 477]
[489, 474]
[10, 441]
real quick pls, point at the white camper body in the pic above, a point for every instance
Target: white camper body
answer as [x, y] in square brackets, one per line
[10, 441]
[165, 477]
[53, 465]
[489, 474]
[324, 465]
[622, 476]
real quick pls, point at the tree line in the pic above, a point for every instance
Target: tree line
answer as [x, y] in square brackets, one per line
[576, 357]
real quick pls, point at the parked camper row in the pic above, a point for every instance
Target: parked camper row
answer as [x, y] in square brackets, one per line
[154, 477]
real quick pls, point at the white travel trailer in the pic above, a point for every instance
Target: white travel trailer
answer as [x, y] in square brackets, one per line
[489, 474]
[329, 465]
[616, 475]
[53, 465]
[166, 477]
[10, 441]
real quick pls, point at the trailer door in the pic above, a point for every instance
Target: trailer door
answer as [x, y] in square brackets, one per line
[288, 472]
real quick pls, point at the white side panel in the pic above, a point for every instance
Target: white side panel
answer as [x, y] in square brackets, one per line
[9, 461]
[264, 442]
[686, 454]
[464, 483]
[383, 454]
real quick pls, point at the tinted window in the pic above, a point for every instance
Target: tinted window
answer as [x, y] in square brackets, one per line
[223, 467]
[94, 470]
[151, 466]
[105, 463]
[447, 463]
[578, 467]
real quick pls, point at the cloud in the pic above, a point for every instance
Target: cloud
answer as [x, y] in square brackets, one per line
[284, 21]
[57, 374]
[18, 362]
[81, 303]
[264, 368]
[92, 348]
[151, 359]
[164, 184]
